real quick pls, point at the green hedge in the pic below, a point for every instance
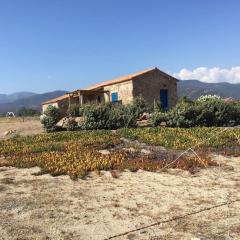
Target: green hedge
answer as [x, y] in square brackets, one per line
[211, 112]
[108, 116]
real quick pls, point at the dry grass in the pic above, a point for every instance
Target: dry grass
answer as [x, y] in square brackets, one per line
[30, 125]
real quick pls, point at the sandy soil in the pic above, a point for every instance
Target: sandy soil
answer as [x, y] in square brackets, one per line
[45, 207]
[27, 127]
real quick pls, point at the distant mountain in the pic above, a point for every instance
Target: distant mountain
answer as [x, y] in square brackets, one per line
[7, 98]
[194, 89]
[33, 101]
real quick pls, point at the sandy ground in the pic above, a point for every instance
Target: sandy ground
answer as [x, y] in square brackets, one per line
[45, 207]
[27, 127]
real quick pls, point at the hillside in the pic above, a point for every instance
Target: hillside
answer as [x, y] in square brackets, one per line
[33, 101]
[7, 98]
[194, 89]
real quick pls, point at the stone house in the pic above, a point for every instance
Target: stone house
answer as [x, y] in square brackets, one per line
[152, 84]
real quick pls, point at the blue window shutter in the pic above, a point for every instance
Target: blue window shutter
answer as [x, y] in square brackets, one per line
[114, 97]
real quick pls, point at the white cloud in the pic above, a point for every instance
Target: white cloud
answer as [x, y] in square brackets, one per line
[211, 75]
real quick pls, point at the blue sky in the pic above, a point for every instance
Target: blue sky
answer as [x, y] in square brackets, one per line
[66, 44]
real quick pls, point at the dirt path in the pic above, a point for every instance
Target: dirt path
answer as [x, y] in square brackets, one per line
[45, 207]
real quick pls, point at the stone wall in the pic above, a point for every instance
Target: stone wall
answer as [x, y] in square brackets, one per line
[149, 85]
[45, 106]
[124, 90]
[62, 105]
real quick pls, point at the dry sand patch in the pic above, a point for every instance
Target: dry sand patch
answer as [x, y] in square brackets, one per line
[45, 207]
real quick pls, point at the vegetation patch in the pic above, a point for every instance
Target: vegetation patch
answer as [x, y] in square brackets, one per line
[212, 138]
[208, 111]
[77, 153]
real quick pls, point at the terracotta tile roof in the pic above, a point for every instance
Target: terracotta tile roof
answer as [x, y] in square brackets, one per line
[119, 79]
[53, 100]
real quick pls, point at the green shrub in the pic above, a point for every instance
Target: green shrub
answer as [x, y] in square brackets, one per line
[50, 118]
[74, 110]
[139, 106]
[159, 117]
[183, 115]
[205, 112]
[71, 124]
[108, 116]
[216, 112]
[157, 107]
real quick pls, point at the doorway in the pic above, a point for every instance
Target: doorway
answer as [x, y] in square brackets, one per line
[164, 98]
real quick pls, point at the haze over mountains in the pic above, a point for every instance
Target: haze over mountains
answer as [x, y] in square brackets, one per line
[33, 100]
[190, 88]
[7, 98]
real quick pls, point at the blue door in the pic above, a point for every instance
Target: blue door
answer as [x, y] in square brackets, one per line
[164, 98]
[114, 97]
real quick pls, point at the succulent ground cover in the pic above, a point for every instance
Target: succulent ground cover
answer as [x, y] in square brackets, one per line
[226, 140]
[77, 153]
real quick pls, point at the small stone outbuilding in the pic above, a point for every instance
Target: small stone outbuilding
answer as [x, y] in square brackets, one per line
[152, 84]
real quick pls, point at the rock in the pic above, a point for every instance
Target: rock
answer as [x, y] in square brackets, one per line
[144, 123]
[79, 120]
[124, 139]
[146, 151]
[104, 151]
[144, 116]
[9, 132]
[3, 161]
[62, 122]
[131, 149]
[6, 133]
[106, 174]
[227, 167]
[163, 124]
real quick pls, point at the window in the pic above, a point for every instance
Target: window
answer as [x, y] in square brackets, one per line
[114, 97]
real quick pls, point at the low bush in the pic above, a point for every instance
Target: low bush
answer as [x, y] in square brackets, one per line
[74, 110]
[140, 106]
[50, 118]
[71, 124]
[108, 116]
[158, 118]
[208, 111]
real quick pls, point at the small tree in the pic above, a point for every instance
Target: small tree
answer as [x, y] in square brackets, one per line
[50, 118]
[27, 112]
